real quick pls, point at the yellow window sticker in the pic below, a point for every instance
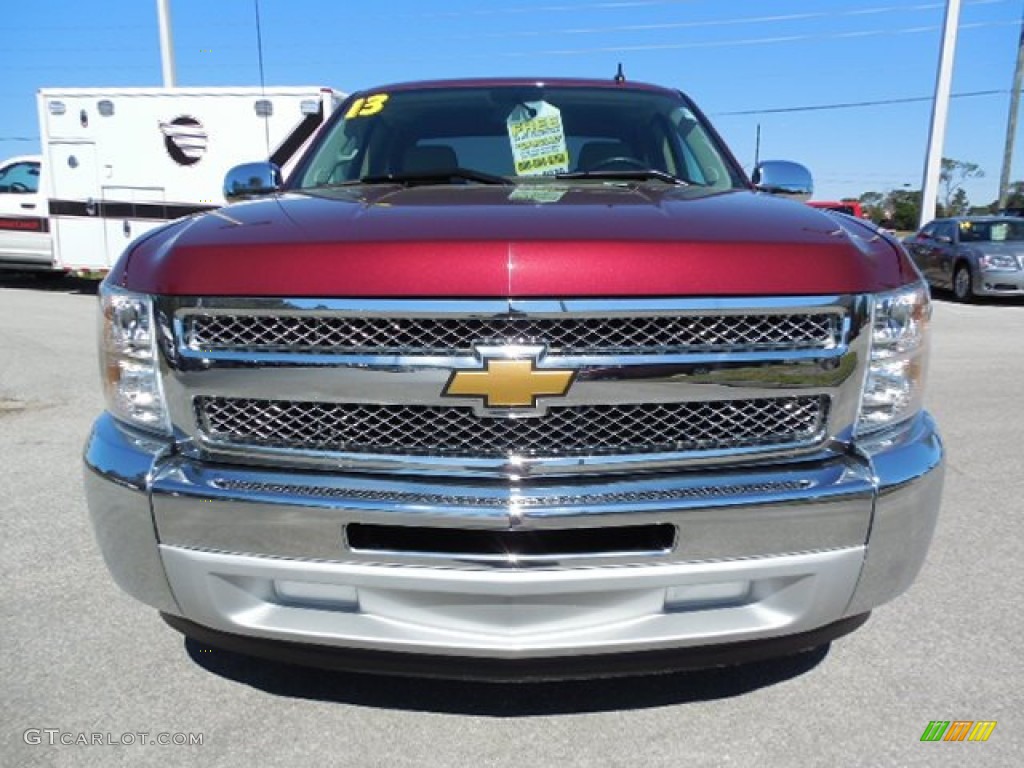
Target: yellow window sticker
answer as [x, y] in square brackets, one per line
[538, 139]
[367, 106]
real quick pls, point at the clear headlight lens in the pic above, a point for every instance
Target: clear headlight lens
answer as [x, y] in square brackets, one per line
[998, 261]
[894, 387]
[128, 359]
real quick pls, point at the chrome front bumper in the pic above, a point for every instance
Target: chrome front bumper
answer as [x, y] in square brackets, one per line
[999, 283]
[760, 553]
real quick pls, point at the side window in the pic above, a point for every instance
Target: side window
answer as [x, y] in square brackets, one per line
[692, 170]
[20, 178]
[702, 163]
[974, 232]
[945, 230]
[345, 156]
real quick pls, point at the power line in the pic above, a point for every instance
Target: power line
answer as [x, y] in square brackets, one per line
[744, 42]
[621, 4]
[727, 22]
[887, 32]
[608, 5]
[614, 5]
[664, 46]
[853, 104]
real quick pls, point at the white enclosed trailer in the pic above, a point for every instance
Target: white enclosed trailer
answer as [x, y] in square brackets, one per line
[119, 162]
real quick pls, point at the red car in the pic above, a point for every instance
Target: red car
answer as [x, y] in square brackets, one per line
[510, 379]
[849, 207]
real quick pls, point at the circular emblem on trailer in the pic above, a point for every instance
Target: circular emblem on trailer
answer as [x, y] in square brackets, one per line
[184, 139]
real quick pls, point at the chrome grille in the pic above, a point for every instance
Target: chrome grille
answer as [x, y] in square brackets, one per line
[563, 431]
[392, 496]
[310, 333]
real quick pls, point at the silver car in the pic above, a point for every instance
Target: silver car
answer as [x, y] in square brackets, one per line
[972, 255]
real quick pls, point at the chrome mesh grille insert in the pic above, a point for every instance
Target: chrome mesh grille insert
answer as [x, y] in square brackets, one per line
[563, 431]
[660, 496]
[398, 335]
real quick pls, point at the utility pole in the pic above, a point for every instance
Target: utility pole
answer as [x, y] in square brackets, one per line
[163, 12]
[1011, 123]
[940, 111]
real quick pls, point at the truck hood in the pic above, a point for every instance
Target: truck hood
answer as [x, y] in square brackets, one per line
[546, 239]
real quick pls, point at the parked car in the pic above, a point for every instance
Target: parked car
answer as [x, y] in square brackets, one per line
[972, 255]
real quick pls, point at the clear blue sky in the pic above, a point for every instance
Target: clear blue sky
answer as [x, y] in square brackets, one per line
[736, 56]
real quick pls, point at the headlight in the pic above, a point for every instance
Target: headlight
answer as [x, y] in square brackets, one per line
[989, 261]
[894, 387]
[128, 359]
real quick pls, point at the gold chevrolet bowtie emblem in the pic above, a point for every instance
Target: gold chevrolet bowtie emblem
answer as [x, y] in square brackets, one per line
[509, 383]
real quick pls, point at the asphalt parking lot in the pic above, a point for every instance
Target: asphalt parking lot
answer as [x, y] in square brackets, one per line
[79, 657]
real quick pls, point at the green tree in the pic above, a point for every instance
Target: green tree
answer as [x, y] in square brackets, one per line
[897, 209]
[1015, 198]
[958, 206]
[903, 207]
[954, 173]
[874, 206]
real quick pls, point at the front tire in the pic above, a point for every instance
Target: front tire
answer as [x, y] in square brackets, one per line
[963, 288]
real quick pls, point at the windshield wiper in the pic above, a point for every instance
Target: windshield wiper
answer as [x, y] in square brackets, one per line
[630, 174]
[440, 176]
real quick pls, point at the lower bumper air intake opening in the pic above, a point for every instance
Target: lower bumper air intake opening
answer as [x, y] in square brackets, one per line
[415, 540]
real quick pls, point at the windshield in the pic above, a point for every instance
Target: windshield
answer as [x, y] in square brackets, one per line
[517, 132]
[991, 231]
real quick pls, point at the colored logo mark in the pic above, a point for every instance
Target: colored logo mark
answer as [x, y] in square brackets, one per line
[509, 383]
[958, 730]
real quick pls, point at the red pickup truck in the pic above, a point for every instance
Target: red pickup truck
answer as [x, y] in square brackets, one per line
[515, 378]
[849, 207]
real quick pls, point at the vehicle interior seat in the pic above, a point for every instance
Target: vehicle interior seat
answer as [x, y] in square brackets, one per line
[429, 157]
[974, 234]
[594, 153]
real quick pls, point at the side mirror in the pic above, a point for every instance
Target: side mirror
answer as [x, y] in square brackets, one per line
[252, 180]
[781, 177]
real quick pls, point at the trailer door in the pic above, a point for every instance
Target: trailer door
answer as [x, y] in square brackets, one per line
[75, 211]
[129, 212]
